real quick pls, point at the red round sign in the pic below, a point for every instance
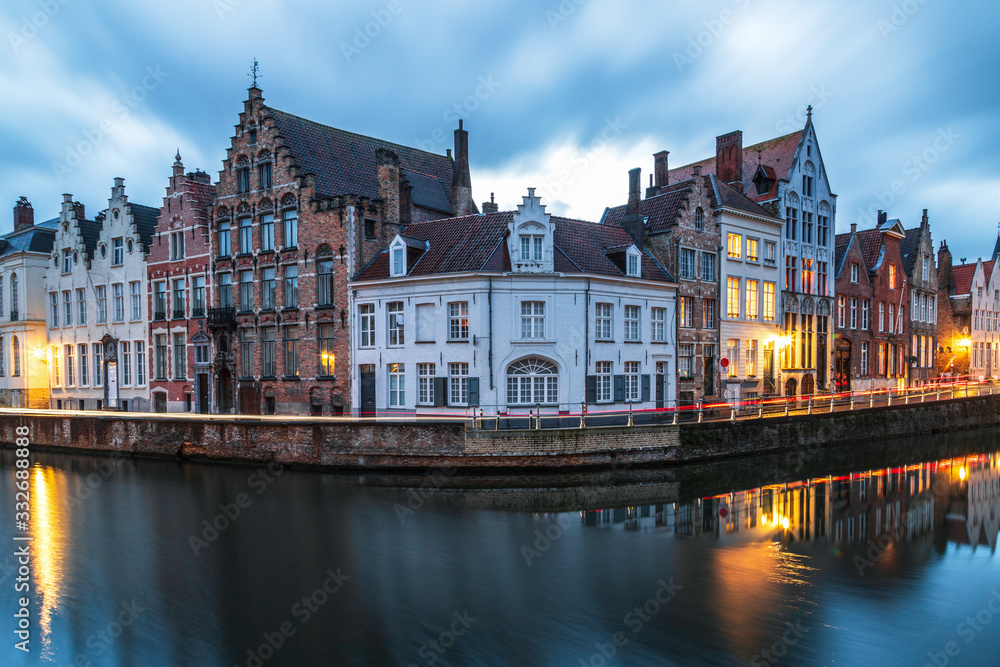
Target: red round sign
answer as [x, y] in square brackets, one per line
[724, 363]
[723, 512]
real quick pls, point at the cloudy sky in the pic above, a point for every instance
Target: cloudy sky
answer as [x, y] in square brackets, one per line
[564, 96]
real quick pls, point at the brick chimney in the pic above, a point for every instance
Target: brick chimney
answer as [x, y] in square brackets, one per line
[461, 182]
[80, 213]
[883, 217]
[729, 158]
[387, 177]
[24, 215]
[490, 206]
[945, 280]
[854, 228]
[633, 222]
[661, 174]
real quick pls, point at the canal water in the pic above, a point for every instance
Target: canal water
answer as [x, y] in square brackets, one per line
[881, 554]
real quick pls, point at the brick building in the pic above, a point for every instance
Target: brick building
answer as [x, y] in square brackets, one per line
[301, 208]
[853, 343]
[179, 283]
[954, 314]
[921, 274]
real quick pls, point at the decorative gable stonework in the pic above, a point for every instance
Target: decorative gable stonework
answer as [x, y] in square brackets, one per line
[530, 237]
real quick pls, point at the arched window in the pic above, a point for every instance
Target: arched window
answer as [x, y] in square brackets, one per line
[532, 381]
[13, 294]
[699, 218]
[16, 357]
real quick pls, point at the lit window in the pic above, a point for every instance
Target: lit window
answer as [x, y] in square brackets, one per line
[458, 316]
[753, 248]
[752, 299]
[733, 298]
[735, 246]
[397, 385]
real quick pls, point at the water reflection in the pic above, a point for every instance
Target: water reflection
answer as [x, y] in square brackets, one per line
[48, 531]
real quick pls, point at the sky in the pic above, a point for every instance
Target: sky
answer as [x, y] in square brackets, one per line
[562, 95]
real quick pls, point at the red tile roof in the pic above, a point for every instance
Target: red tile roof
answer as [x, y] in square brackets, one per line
[964, 273]
[872, 247]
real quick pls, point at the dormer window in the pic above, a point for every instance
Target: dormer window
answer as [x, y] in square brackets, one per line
[531, 248]
[633, 266]
[397, 255]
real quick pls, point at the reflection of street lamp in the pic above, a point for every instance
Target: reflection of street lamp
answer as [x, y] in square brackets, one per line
[965, 342]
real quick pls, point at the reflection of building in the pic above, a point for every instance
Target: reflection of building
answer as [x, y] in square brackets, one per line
[972, 509]
[511, 310]
[24, 255]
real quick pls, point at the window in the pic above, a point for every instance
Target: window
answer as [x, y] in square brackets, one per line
[180, 294]
[532, 381]
[699, 219]
[291, 294]
[752, 299]
[267, 232]
[532, 319]
[769, 311]
[225, 247]
[324, 282]
[925, 316]
[54, 308]
[397, 386]
[394, 326]
[459, 384]
[807, 186]
[327, 357]
[632, 381]
[425, 384]
[751, 359]
[864, 358]
[841, 311]
[892, 318]
[926, 268]
[226, 290]
[458, 320]
[426, 324]
[632, 323]
[267, 289]
[753, 250]
[808, 276]
[366, 314]
[892, 279]
[603, 381]
[687, 312]
[790, 273]
[67, 265]
[854, 272]
[264, 175]
[792, 217]
[81, 305]
[865, 303]
[292, 351]
[268, 337]
[246, 236]
[370, 230]
[198, 296]
[735, 246]
[84, 365]
[733, 298]
[98, 364]
[243, 180]
[881, 317]
[708, 266]
[135, 289]
[807, 227]
[657, 323]
[246, 291]
[685, 360]
[68, 307]
[733, 355]
[119, 295]
[821, 276]
[633, 266]
[160, 300]
[125, 358]
[531, 248]
[687, 264]
[69, 366]
[709, 313]
[398, 261]
[854, 313]
[117, 251]
[290, 227]
[180, 357]
[602, 322]
[176, 246]
[246, 353]
[140, 363]
[822, 229]
[769, 252]
[56, 377]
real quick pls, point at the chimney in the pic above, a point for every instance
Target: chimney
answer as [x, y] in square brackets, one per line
[67, 207]
[118, 191]
[854, 228]
[633, 222]
[944, 269]
[883, 217]
[729, 158]
[24, 215]
[79, 212]
[490, 206]
[461, 182]
[924, 221]
[661, 174]
[387, 177]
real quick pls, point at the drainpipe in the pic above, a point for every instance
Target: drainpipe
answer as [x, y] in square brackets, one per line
[586, 336]
[489, 301]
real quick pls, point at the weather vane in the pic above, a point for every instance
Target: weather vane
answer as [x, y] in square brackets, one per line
[253, 72]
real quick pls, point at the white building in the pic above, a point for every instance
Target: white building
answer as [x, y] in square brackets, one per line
[751, 286]
[24, 256]
[97, 302]
[510, 310]
[984, 354]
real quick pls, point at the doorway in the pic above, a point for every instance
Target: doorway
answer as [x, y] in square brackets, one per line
[842, 374]
[791, 387]
[224, 392]
[203, 393]
[367, 373]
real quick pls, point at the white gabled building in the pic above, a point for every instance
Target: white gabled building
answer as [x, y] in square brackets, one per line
[96, 301]
[509, 310]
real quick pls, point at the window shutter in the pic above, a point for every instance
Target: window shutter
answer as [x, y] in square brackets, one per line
[440, 391]
[592, 389]
[619, 388]
[473, 391]
[645, 388]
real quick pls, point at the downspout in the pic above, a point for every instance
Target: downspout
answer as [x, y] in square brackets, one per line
[586, 331]
[489, 301]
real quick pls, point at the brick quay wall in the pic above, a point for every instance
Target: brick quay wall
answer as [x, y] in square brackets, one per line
[414, 446]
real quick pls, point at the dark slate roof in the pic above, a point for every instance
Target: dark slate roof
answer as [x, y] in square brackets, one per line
[842, 243]
[908, 249]
[777, 153]
[343, 163]
[996, 248]
[727, 196]
[38, 238]
[477, 243]
[145, 221]
[90, 232]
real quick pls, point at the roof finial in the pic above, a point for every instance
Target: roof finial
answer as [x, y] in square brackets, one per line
[177, 158]
[760, 159]
[254, 72]
[809, 112]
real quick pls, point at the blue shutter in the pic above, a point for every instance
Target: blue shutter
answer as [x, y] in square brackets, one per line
[440, 391]
[473, 391]
[645, 388]
[592, 389]
[619, 388]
